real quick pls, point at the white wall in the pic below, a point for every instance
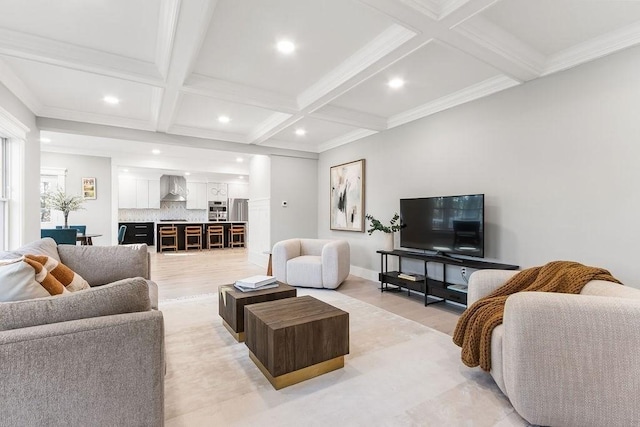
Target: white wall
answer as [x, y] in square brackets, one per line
[295, 181]
[96, 213]
[557, 159]
[259, 227]
[25, 191]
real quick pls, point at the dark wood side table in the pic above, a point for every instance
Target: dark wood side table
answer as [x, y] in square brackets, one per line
[296, 339]
[231, 304]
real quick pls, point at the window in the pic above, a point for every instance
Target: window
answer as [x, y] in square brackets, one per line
[51, 179]
[3, 198]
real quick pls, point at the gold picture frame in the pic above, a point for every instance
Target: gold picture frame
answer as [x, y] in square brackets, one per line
[89, 191]
[347, 196]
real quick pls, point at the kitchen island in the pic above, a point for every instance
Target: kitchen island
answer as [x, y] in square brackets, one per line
[180, 225]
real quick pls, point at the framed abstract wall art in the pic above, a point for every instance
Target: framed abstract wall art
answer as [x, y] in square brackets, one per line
[89, 188]
[347, 196]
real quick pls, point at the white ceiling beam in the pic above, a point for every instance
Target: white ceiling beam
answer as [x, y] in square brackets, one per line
[193, 23]
[454, 12]
[169, 11]
[94, 118]
[198, 84]
[114, 132]
[53, 52]
[345, 139]
[268, 126]
[207, 133]
[18, 88]
[350, 117]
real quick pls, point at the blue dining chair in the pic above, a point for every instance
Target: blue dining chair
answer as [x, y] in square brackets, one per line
[82, 229]
[62, 236]
[121, 232]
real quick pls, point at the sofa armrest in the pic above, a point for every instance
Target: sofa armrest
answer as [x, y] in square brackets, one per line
[336, 263]
[282, 252]
[100, 265]
[99, 371]
[483, 282]
[572, 359]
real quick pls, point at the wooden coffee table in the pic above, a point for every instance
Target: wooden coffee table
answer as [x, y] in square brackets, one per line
[296, 339]
[231, 304]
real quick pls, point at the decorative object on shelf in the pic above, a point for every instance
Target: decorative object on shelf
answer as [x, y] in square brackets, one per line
[389, 230]
[59, 201]
[347, 196]
[89, 191]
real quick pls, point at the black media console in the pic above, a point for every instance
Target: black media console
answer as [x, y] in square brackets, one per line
[430, 287]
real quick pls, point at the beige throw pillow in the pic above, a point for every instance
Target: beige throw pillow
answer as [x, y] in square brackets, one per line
[23, 279]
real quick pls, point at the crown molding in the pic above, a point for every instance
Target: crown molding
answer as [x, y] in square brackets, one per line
[47, 51]
[11, 126]
[594, 48]
[345, 139]
[167, 27]
[199, 84]
[388, 41]
[18, 88]
[494, 38]
[471, 93]
[350, 117]
[290, 145]
[207, 134]
[99, 119]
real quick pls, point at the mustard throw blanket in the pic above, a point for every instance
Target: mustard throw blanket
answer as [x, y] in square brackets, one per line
[473, 331]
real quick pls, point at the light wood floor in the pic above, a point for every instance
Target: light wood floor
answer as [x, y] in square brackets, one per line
[199, 272]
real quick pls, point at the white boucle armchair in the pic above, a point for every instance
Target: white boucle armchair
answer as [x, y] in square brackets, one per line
[311, 263]
[564, 359]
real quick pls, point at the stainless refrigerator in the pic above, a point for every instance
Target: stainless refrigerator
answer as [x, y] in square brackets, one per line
[238, 210]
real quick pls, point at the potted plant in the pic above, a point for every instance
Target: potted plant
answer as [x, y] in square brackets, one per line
[376, 225]
[59, 201]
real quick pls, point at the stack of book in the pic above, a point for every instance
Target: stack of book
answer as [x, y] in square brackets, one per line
[406, 276]
[256, 283]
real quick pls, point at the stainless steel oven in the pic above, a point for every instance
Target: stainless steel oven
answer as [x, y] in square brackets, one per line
[217, 211]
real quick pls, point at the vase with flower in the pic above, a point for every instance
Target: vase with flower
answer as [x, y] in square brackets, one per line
[389, 230]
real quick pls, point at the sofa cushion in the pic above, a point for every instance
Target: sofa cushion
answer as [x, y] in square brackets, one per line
[23, 279]
[46, 246]
[305, 271]
[609, 289]
[71, 280]
[125, 296]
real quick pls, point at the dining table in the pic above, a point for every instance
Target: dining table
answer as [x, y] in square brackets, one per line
[86, 238]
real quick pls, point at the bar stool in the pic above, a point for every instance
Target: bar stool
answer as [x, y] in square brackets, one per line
[171, 233]
[193, 231]
[236, 230]
[216, 231]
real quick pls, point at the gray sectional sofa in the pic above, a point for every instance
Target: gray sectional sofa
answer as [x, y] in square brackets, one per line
[93, 358]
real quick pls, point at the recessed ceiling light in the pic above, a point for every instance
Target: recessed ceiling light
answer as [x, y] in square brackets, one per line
[241, 177]
[111, 100]
[187, 173]
[396, 83]
[239, 160]
[224, 119]
[125, 170]
[286, 46]
[156, 151]
[45, 140]
[301, 132]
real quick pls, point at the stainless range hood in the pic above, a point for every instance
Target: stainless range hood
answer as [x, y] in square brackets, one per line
[173, 188]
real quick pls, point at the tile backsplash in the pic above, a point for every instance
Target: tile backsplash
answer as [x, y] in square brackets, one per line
[168, 210]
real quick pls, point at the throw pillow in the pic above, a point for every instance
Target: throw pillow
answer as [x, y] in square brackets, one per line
[70, 279]
[46, 246]
[23, 279]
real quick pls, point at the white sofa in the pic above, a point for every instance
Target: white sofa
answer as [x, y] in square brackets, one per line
[311, 263]
[567, 360]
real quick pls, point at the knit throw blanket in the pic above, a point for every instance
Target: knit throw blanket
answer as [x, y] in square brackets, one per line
[474, 328]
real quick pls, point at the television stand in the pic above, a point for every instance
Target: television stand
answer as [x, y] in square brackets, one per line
[441, 290]
[446, 256]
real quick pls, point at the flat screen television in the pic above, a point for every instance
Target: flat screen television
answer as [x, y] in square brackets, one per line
[446, 225]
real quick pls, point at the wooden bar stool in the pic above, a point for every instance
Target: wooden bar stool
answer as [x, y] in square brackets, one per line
[217, 232]
[193, 232]
[236, 235]
[168, 233]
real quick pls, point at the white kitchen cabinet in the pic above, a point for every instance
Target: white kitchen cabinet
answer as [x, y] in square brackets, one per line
[138, 193]
[217, 192]
[197, 195]
[238, 191]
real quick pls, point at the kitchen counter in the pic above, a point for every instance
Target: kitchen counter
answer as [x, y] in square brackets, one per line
[180, 225]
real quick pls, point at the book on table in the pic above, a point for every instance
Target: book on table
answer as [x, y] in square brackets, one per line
[241, 288]
[256, 282]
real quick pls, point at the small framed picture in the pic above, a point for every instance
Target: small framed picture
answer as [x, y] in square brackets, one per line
[347, 196]
[89, 189]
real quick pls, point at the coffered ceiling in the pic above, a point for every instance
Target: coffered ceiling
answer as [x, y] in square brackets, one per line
[176, 66]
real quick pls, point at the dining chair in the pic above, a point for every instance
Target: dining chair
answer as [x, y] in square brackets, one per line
[121, 232]
[62, 236]
[82, 229]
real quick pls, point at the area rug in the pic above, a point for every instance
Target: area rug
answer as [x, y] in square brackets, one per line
[397, 373]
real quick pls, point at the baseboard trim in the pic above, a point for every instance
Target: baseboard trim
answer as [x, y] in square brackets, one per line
[364, 273]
